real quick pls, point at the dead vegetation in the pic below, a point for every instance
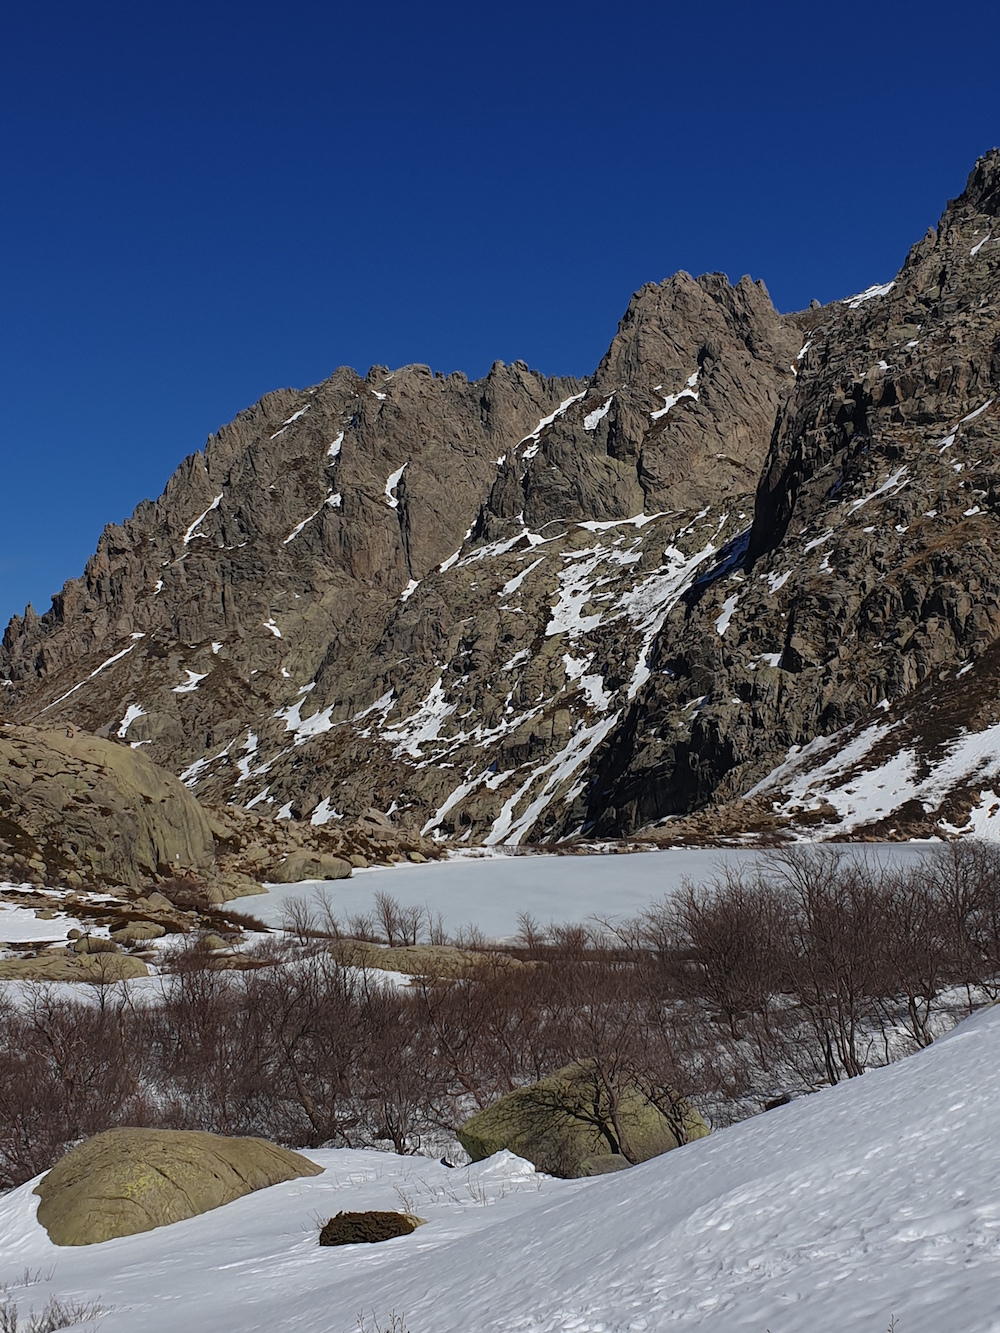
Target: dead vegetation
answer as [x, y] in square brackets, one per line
[729, 997]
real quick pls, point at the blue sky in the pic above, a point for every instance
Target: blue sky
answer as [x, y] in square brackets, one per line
[202, 202]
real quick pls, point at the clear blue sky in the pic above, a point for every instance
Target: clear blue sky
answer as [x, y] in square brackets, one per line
[204, 201]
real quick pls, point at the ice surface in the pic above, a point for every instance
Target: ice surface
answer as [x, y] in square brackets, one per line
[116, 657]
[726, 615]
[422, 725]
[323, 813]
[978, 412]
[131, 713]
[897, 481]
[269, 624]
[838, 770]
[335, 445]
[192, 682]
[513, 584]
[332, 499]
[20, 925]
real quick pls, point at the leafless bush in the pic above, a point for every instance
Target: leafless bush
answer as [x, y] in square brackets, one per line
[55, 1314]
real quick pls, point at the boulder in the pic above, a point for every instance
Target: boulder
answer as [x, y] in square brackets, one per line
[137, 931]
[604, 1166]
[79, 804]
[444, 961]
[129, 1180]
[367, 1228]
[65, 965]
[94, 944]
[298, 866]
[553, 1124]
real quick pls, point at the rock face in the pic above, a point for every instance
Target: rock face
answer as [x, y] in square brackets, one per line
[522, 608]
[867, 607]
[565, 1126]
[129, 1180]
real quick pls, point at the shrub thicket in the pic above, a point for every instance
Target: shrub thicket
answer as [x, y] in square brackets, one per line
[806, 969]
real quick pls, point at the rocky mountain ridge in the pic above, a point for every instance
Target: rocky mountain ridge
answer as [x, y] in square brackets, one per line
[522, 608]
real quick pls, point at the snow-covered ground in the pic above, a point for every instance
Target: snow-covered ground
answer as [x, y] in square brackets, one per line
[878, 1198]
[490, 892]
[18, 925]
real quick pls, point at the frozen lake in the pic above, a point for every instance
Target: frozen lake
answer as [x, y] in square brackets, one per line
[491, 891]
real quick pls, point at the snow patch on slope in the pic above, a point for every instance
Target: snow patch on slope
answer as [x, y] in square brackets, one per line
[193, 529]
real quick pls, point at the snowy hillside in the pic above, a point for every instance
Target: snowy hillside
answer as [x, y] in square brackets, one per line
[873, 1200]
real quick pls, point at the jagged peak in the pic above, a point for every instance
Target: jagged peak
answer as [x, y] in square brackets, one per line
[982, 190]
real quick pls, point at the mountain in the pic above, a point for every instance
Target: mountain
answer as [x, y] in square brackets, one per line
[744, 578]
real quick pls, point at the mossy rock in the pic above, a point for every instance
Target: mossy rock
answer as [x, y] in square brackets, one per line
[553, 1124]
[135, 932]
[126, 817]
[65, 965]
[367, 1228]
[129, 1180]
[299, 866]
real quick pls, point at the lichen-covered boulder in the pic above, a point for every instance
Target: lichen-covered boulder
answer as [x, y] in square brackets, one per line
[129, 1180]
[298, 866]
[563, 1124]
[79, 808]
[66, 965]
[443, 961]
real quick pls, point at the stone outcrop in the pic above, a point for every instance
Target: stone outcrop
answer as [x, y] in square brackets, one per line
[130, 1180]
[870, 586]
[406, 606]
[101, 969]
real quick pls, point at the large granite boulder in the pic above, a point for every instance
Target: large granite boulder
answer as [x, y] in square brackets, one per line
[66, 965]
[129, 1180]
[298, 866]
[563, 1125]
[77, 808]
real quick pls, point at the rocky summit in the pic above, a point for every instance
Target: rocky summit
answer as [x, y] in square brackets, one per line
[743, 579]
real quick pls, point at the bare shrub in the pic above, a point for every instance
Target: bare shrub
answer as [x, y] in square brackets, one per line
[54, 1315]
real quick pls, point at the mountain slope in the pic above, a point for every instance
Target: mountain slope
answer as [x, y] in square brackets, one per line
[520, 608]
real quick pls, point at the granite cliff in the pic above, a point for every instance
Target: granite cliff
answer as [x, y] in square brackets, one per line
[750, 562]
